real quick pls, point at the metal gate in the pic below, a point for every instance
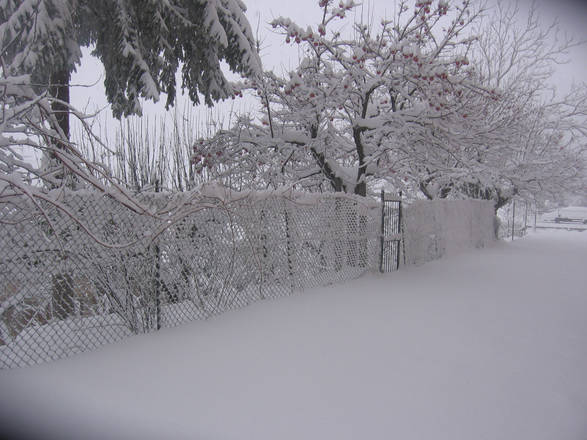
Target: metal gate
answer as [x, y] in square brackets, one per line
[391, 232]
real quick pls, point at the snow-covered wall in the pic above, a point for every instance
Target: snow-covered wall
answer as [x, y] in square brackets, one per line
[436, 228]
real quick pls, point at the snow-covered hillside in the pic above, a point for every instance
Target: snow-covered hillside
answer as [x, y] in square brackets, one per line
[488, 344]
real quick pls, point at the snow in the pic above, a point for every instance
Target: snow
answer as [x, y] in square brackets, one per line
[572, 212]
[213, 23]
[566, 226]
[489, 344]
[570, 218]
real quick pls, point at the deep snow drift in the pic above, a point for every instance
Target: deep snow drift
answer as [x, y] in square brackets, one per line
[488, 344]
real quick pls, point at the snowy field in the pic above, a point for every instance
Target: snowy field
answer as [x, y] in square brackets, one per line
[578, 214]
[490, 344]
[565, 226]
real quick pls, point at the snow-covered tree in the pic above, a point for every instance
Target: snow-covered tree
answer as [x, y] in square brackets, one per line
[511, 147]
[142, 44]
[521, 138]
[356, 105]
[444, 100]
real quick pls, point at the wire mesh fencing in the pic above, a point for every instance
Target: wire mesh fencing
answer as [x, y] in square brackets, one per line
[432, 229]
[63, 292]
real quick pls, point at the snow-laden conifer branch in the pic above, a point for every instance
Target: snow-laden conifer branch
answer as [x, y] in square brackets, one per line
[141, 44]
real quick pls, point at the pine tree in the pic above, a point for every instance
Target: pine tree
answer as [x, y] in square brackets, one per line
[142, 44]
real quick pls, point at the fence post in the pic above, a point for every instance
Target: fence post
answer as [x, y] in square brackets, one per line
[525, 216]
[399, 230]
[513, 218]
[382, 231]
[288, 246]
[157, 275]
[157, 287]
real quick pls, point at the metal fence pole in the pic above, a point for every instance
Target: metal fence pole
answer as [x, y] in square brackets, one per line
[525, 216]
[399, 230]
[157, 276]
[513, 218]
[288, 246]
[382, 230]
[157, 287]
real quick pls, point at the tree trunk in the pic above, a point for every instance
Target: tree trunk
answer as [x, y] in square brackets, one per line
[361, 189]
[59, 89]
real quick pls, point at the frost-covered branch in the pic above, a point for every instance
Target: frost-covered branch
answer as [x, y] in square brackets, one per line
[353, 104]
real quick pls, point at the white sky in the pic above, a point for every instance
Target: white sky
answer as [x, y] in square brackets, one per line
[280, 57]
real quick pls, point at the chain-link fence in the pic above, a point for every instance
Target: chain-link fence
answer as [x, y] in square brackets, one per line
[63, 292]
[435, 228]
[516, 219]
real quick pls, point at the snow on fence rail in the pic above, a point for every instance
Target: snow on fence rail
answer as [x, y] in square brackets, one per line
[62, 292]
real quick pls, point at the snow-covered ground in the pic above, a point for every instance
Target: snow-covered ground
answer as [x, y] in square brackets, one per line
[565, 226]
[489, 344]
[578, 213]
[570, 218]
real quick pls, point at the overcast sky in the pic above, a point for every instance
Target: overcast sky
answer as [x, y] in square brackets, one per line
[572, 15]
